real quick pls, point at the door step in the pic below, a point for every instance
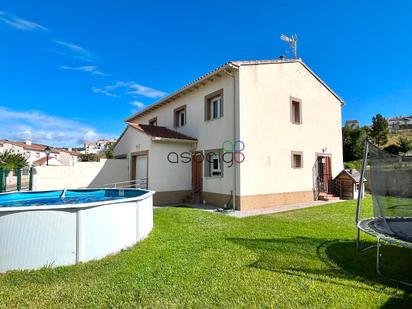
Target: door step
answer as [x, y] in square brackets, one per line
[327, 197]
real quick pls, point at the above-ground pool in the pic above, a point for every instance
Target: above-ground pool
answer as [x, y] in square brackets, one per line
[64, 227]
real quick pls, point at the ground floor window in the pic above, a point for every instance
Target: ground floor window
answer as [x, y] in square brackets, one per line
[213, 163]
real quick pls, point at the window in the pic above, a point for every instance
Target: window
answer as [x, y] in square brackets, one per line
[37, 154]
[213, 163]
[214, 105]
[297, 159]
[180, 116]
[295, 111]
[153, 121]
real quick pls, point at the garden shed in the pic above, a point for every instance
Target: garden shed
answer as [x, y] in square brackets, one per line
[346, 184]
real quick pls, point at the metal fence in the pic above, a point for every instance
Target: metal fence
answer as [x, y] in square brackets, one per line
[16, 180]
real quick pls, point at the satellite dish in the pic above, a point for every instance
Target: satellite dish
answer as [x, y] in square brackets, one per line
[293, 43]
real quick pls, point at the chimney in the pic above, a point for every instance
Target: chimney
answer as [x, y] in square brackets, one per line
[28, 141]
[70, 149]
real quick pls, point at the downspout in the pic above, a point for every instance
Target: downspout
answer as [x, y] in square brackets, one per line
[234, 137]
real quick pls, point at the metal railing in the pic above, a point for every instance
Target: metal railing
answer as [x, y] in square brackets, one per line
[136, 183]
[16, 180]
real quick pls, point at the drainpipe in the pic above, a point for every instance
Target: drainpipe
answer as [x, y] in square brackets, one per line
[234, 135]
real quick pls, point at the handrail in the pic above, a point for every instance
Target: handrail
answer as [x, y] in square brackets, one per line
[128, 183]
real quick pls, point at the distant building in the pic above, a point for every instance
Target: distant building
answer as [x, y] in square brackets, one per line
[36, 153]
[352, 124]
[97, 147]
[400, 123]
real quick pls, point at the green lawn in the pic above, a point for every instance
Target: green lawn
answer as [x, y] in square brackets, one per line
[304, 258]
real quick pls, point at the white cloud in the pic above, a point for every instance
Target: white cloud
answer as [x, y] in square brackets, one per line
[44, 129]
[86, 68]
[145, 91]
[19, 23]
[104, 91]
[131, 88]
[74, 50]
[138, 104]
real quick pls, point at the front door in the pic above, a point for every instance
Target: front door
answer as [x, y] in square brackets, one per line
[139, 171]
[197, 160]
[324, 174]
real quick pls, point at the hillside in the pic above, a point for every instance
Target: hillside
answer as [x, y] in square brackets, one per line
[393, 137]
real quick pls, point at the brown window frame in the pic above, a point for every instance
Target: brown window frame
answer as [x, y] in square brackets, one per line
[292, 156]
[176, 112]
[292, 113]
[207, 169]
[154, 119]
[208, 100]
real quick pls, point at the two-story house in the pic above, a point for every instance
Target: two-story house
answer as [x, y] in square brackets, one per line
[252, 134]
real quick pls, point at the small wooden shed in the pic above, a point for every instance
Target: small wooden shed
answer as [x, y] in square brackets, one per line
[347, 183]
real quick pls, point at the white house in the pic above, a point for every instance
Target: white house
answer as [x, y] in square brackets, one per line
[252, 134]
[97, 147]
[400, 123]
[36, 153]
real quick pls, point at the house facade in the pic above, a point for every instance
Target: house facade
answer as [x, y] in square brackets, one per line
[400, 123]
[250, 134]
[36, 153]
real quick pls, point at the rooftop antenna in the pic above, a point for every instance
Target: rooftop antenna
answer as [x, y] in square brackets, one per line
[293, 43]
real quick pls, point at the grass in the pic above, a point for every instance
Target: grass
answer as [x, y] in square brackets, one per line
[393, 138]
[304, 258]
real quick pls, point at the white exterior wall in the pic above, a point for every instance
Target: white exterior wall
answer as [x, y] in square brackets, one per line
[269, 135]
[210, 134]
[81, 175]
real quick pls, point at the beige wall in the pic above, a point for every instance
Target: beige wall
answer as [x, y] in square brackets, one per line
[269, 135]
[210, 134]
[82, 174]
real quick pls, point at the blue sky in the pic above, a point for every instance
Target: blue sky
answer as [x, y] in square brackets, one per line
[72, 70]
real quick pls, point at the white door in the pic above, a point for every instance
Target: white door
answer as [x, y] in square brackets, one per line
[141, 171]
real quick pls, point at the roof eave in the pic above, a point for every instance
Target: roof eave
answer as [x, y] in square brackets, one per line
[208, 77]
[175, 140]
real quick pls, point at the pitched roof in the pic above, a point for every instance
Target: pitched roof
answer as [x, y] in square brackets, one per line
[43, 160]
[227, 67]
[353, 173]
[36, 147]
[158, 131]
[400, 118]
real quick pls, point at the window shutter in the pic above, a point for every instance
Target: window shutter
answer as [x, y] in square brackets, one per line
[221, 106]
[207, 109]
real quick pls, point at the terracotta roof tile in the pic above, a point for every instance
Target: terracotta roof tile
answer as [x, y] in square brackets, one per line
[158, 131]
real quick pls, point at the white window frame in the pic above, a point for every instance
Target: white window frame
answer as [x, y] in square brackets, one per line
[212, 102]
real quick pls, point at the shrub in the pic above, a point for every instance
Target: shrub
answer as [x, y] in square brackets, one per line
[11, 160]
[89, 157]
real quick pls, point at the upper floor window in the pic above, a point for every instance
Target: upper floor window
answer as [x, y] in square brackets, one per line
[180, 116]
[214, 105]
[295, 111]
[153, 121]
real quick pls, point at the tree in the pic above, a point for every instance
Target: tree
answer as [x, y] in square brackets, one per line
[379, 130]
[109, 153]
[11, 160]
[353, 143]
[405, 144]
[393, 149]
[89, 157]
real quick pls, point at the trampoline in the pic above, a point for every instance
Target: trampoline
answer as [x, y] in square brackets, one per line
[390, 183]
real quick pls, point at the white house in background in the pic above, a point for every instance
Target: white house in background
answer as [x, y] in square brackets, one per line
[36, 153]
[282, 120]
[400, 123]
[32, 152]
[97, 147]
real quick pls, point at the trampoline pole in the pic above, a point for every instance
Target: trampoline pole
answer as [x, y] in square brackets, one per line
[378, 256]
[361, 188]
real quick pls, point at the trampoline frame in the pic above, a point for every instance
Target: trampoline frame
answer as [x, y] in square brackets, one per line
[363, 225]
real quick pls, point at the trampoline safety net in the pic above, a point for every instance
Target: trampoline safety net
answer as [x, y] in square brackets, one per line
[389, 179]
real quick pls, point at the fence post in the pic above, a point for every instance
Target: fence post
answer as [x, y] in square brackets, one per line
[18, 175]
[1, 179]
[31, 179]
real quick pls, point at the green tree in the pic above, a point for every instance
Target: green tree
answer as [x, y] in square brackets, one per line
[405, 144]
[393, 149]
[379, 130]
[89, 157]
[11, 160]
[353, 143]
[109, 153]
